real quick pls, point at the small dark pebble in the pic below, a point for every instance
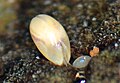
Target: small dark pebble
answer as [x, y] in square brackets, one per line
[1, 67]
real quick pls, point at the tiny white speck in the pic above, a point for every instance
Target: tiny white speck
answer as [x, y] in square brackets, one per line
[37, 57]
[119, 40]
[39, 71]
[83, 81]
[79, 5]
[116, 44]
[104, 36]
[52, 69]
[111, 34]
[85, 23]
[93, 19]
[33, 76]
[106, 22]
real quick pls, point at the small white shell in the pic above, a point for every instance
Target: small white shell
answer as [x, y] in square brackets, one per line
[51, 39]
[81, 61]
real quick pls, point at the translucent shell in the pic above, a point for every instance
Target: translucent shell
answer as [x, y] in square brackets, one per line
[51, 39]
[81, 61]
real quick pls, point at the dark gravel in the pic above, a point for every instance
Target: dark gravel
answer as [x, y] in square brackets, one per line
[88, 23]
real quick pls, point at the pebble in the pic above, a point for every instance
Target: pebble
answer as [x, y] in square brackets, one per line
[116, 45]
[37, 57]
[85, 23]
[94, 19]
[1, 67]
[33, 76]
